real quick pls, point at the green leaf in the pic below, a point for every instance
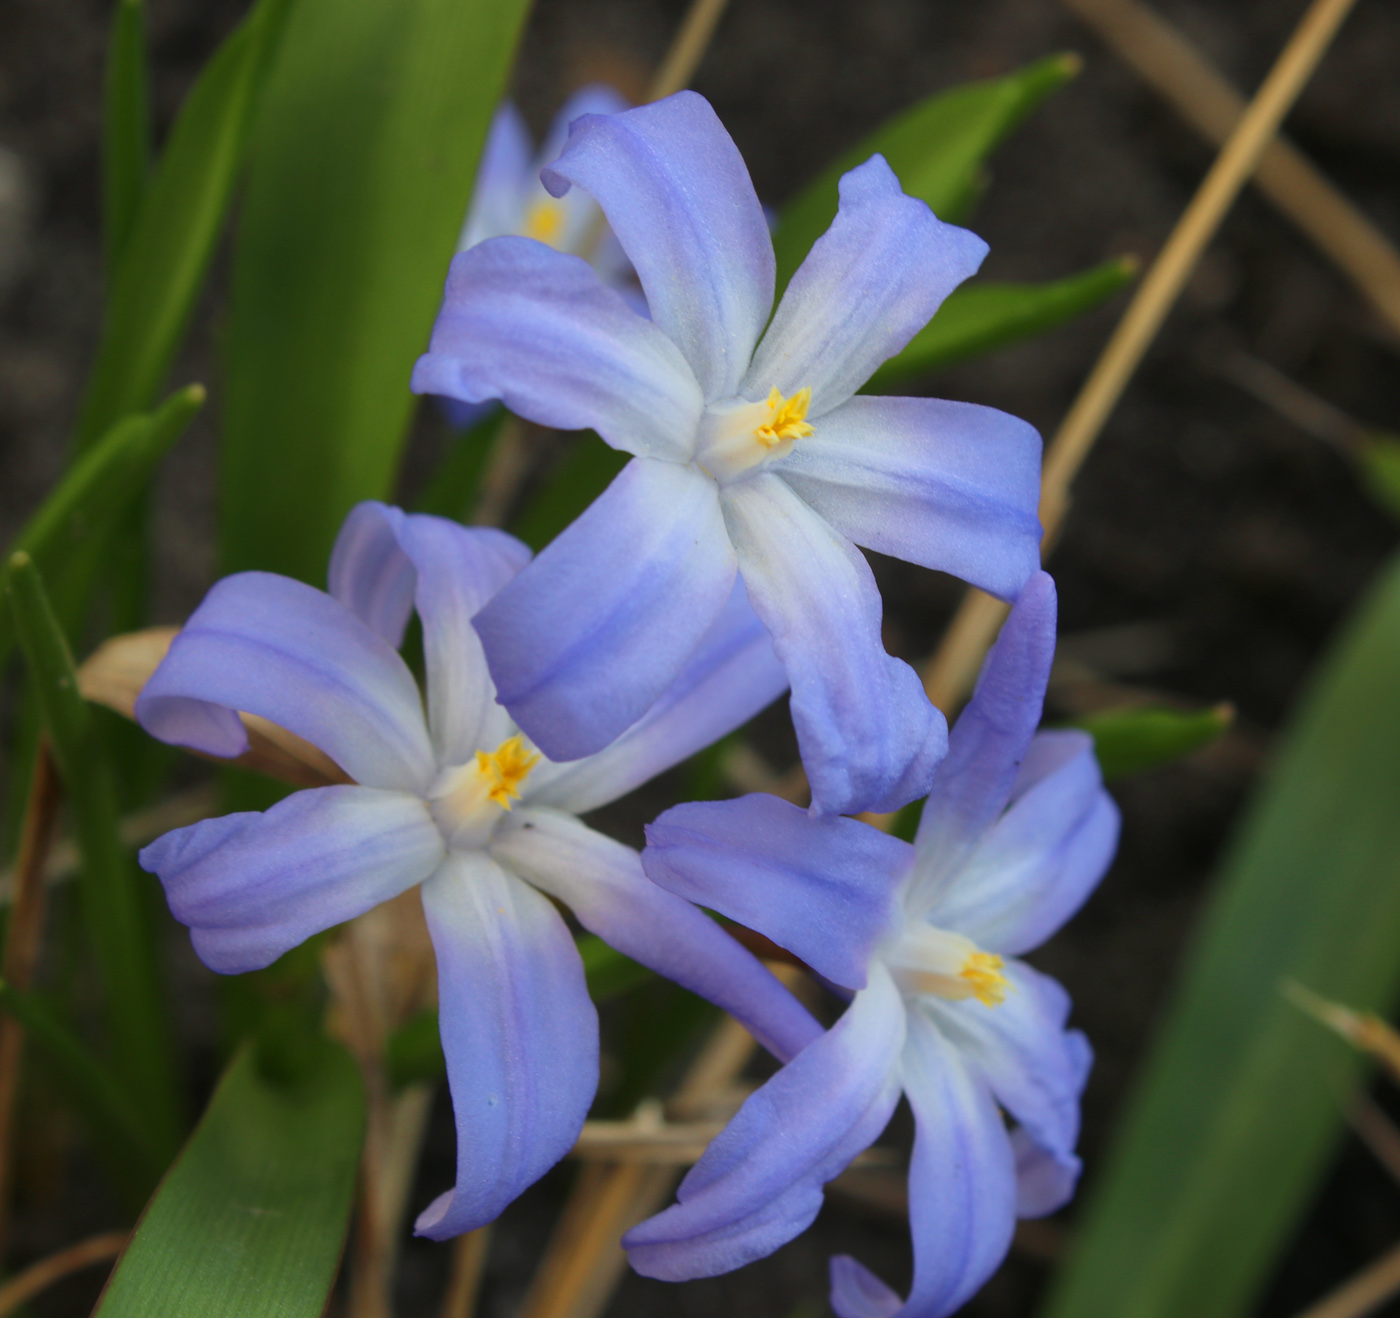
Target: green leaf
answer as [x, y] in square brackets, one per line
[120, 1136]
[980, 317]
[1240, 1103]
[1379, 459]
[1131, 740]
[608, 973]
[586, 471]
[251, 1220]
[938, 149]
[127, 128]
[363, 163]
[452, 489]
[181, 215]
[115, 914]
[70, 530]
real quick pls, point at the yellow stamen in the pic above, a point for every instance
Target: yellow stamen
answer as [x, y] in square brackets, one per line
[544, 222]
[506, 767]
[982, 970]
[785, 418]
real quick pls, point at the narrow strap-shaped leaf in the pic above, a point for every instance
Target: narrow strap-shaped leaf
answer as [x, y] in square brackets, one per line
[127, 128]
[251, 1220]
[71, 526]
[452, 489]
[978, 318]
[938, 149]
[93, 1089]
[1131, 740]
[114, 914]
[181, 215]
[372, 125]
[1239, 1105]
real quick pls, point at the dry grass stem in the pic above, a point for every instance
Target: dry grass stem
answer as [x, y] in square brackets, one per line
[38, 1277]
[1364, 1293]
[468, 1267]
[1168, 63]
[1312, 415]
[953, 668]
[688, 48]
[22, 940]
[1378, 1133]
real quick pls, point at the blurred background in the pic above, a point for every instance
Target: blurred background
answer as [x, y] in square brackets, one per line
[1214, 543]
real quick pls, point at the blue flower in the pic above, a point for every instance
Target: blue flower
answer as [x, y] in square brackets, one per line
[751, 455]
[459, 802]
[1015, 834]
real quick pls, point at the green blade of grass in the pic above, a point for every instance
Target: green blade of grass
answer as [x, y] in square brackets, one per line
[362, 166]
[1131, 740]
[126, 156]
[1240, 1103]
[978, 318]
[251, 1220]
[938, 148]
[115, 913]
[181, 215]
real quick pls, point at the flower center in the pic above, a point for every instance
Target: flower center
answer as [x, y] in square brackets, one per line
[947, 965]
[467, 799]
[544, 222]
[737, 436]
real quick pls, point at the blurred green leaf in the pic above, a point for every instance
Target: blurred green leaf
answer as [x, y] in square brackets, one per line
[181, 215]
[452, 489]
[363, 162]
[126, 128]
[608, 972]
[1379, 460]
[1240, 1104]
[120, 1137]
[68, 533]
[938, 149]
[251, 1220]
[1131, 740]
[115, 914]
[586, 471]
[980, 317]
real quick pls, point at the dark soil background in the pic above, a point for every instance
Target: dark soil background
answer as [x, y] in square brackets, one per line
[1212, 551]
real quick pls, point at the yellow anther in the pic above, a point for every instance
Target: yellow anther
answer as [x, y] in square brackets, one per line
[989, 986]
[544, 222]
[506, 768]
[785, 418]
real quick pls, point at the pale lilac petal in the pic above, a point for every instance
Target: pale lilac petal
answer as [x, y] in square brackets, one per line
[950, 486]
[536, 329]
[759, 1183]
[589, 636]
[369, 573]
[856, 1292]
[869, 737]
[602, 882]
[870, 283]
[1021, 1049]
[825, 889]
[732, 675]
[962, 1178]
[519, 1033]
[501, 179]
[268, 645]
[1043, 858]
[252, 886]
[679, 198]
[1045, 1178]
[594, 98]
[986, 747]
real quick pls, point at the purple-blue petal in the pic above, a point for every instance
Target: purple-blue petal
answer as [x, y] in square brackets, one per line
[678, 196]
[870, 739]
[760, 1182]
[267, 645]
[369, 573]
[1045, 1178]
[589, 636]
[869, 284]
[501, 179]
[732, 675]
[950, 486]
[856, 1292]
[519, 1033]
[825, 889]
[536, 329]
[252, 886]
[602, 882]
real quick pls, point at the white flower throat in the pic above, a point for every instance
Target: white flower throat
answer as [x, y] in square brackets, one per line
[736, 436]
[946, 965]
[468, 799]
